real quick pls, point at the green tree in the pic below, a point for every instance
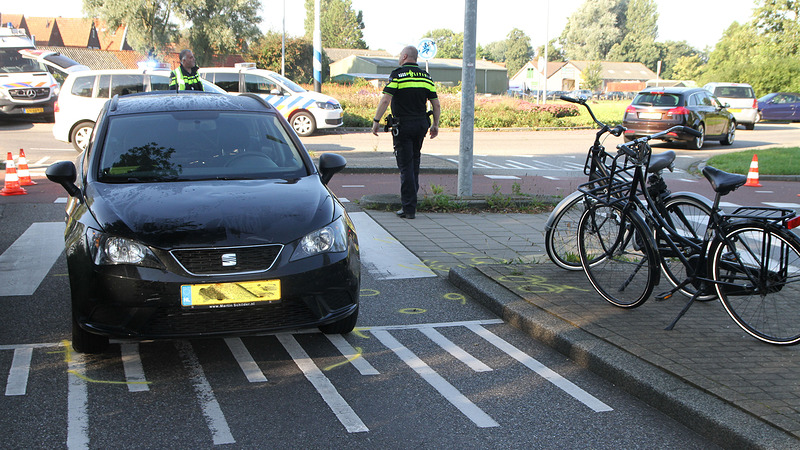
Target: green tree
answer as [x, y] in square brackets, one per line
[518, 50]
[449, 44]
[639, 31]
[340, 26]
[593, 29]
[219, 27]
[496, 51]
[593, 76]
[685, 68]
[298, 58]
[150, 24]
[554, 53]
[779, 22]
[675, 53]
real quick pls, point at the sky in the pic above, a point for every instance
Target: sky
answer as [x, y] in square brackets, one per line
[393, 27]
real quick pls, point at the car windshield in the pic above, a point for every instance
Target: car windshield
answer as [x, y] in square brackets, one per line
[12, 62]
[656, 99]
[294, 87]
[197, 145]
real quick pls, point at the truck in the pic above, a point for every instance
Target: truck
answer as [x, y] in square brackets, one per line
[27, 86]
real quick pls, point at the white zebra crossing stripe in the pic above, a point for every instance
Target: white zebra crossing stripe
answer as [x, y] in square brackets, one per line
[17, 383]
[382, 255]
[27, 261]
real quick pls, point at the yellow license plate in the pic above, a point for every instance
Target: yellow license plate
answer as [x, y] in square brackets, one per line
[222, 295]
[735, 110]
[649, 115]
[33, 110]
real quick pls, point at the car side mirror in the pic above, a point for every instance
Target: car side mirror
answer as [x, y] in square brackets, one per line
[65, 174]
[329, 165]
[276, 92]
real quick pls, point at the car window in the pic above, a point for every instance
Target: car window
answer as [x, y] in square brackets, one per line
[124, 84]
[82, 87]
[258, 84]
[692, 101]
[198, 145]
[159, 83]
[734, 92]
[227, 81]
[656, 99]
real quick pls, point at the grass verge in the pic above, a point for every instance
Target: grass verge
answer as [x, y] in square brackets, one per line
[774, 161]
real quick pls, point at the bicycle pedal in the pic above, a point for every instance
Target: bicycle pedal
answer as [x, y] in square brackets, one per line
[663, 296]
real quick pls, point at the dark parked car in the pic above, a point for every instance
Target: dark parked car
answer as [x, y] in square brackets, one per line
[201, 214]
[658, 108]
[779, 106]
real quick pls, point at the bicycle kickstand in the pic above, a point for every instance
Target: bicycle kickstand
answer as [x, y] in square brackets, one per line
[683, 311]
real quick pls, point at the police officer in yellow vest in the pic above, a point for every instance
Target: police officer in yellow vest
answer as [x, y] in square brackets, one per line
[184, 77]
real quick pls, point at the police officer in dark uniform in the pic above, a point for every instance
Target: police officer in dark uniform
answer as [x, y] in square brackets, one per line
[184, 77]
[409, 90]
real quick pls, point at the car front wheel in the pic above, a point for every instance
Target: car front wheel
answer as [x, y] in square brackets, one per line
[697, 142]
[730, 136]
[80, 135]
[304, 124]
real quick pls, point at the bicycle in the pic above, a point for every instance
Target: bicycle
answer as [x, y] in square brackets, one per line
[688, 211]
[749, 259]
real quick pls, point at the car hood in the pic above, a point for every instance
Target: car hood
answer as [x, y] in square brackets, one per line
[212, 213]
[318, 97]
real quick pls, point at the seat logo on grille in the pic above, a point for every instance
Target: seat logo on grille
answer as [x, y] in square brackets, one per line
[228, 259]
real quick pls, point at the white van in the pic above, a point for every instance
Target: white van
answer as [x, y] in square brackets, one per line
[741, 100]
[84, 93]
[306, 111]
[27, 86]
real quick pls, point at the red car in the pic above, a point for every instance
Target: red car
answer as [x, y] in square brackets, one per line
[658, 108]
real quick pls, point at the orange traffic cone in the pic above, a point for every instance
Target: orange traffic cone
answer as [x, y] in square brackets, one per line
[752, 176]
[23, 172]
[12, 181]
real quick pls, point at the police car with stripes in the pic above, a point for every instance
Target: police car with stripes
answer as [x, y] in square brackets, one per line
[306, 111]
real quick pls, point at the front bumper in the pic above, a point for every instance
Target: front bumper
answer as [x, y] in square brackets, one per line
[143, 303]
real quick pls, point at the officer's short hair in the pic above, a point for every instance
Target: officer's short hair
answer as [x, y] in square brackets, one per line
[183, 53]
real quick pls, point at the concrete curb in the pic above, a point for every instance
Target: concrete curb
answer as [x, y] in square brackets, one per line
[706, 414]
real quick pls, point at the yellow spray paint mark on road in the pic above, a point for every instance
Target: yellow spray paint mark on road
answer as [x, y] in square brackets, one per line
[359, 333]
[456, 297]
[413, 311]
[68, 358]
[347, 361]
[370, 293]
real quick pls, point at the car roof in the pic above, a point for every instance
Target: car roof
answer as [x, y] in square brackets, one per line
[670, 89]
[160, 101]
[716, 84]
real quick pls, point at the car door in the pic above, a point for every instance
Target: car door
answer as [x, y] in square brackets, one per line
[782, 107]
[715, 117]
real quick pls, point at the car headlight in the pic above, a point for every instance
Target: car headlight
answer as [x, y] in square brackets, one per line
[327, 105]
[328, 239]
[112, 250]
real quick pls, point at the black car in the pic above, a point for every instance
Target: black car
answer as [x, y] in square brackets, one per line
[658, 108]
[202, 214]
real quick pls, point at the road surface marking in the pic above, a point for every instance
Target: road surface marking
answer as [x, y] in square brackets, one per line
[245, 360]
[457, 352]
[352, 423]
[382, 255]
[447, 390]
[132, 363]
[17, 383]
[27, 261]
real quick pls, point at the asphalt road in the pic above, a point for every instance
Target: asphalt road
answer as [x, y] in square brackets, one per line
[428, 366]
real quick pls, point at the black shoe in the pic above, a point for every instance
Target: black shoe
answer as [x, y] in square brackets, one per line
[404, 214]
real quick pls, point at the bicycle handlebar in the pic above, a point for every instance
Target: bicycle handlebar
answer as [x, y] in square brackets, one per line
[632, 148]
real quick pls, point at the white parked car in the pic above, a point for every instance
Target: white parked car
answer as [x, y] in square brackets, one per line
[741, 100]
[84, 93]
[306, 111]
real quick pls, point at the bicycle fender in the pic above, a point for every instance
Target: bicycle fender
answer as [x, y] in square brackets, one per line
[562, 205]
[701, 198]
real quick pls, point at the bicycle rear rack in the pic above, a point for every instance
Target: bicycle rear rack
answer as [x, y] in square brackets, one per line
[765, 214]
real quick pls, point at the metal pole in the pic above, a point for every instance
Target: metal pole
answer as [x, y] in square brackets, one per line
[465, 150]
[317, 50]
[546, 43]
[283, 42]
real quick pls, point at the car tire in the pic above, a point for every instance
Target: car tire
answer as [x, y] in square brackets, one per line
[80, 135]
[697, 143]
[730, 136]
[304, 123]
[85, 342]
[342, 326]
[749, 126]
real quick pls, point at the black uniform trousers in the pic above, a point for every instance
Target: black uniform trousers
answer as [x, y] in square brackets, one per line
[407, 147]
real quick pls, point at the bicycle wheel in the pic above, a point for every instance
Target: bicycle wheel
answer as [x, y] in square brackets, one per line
[561, 232]
[757, 277]
[689, 217]
[618, 255]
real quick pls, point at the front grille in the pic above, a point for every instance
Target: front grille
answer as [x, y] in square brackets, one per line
[29, 93]
[230, 260]
[282, 315]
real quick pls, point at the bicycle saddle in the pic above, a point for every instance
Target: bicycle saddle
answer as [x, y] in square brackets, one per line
[723, 182]
[661, 161]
